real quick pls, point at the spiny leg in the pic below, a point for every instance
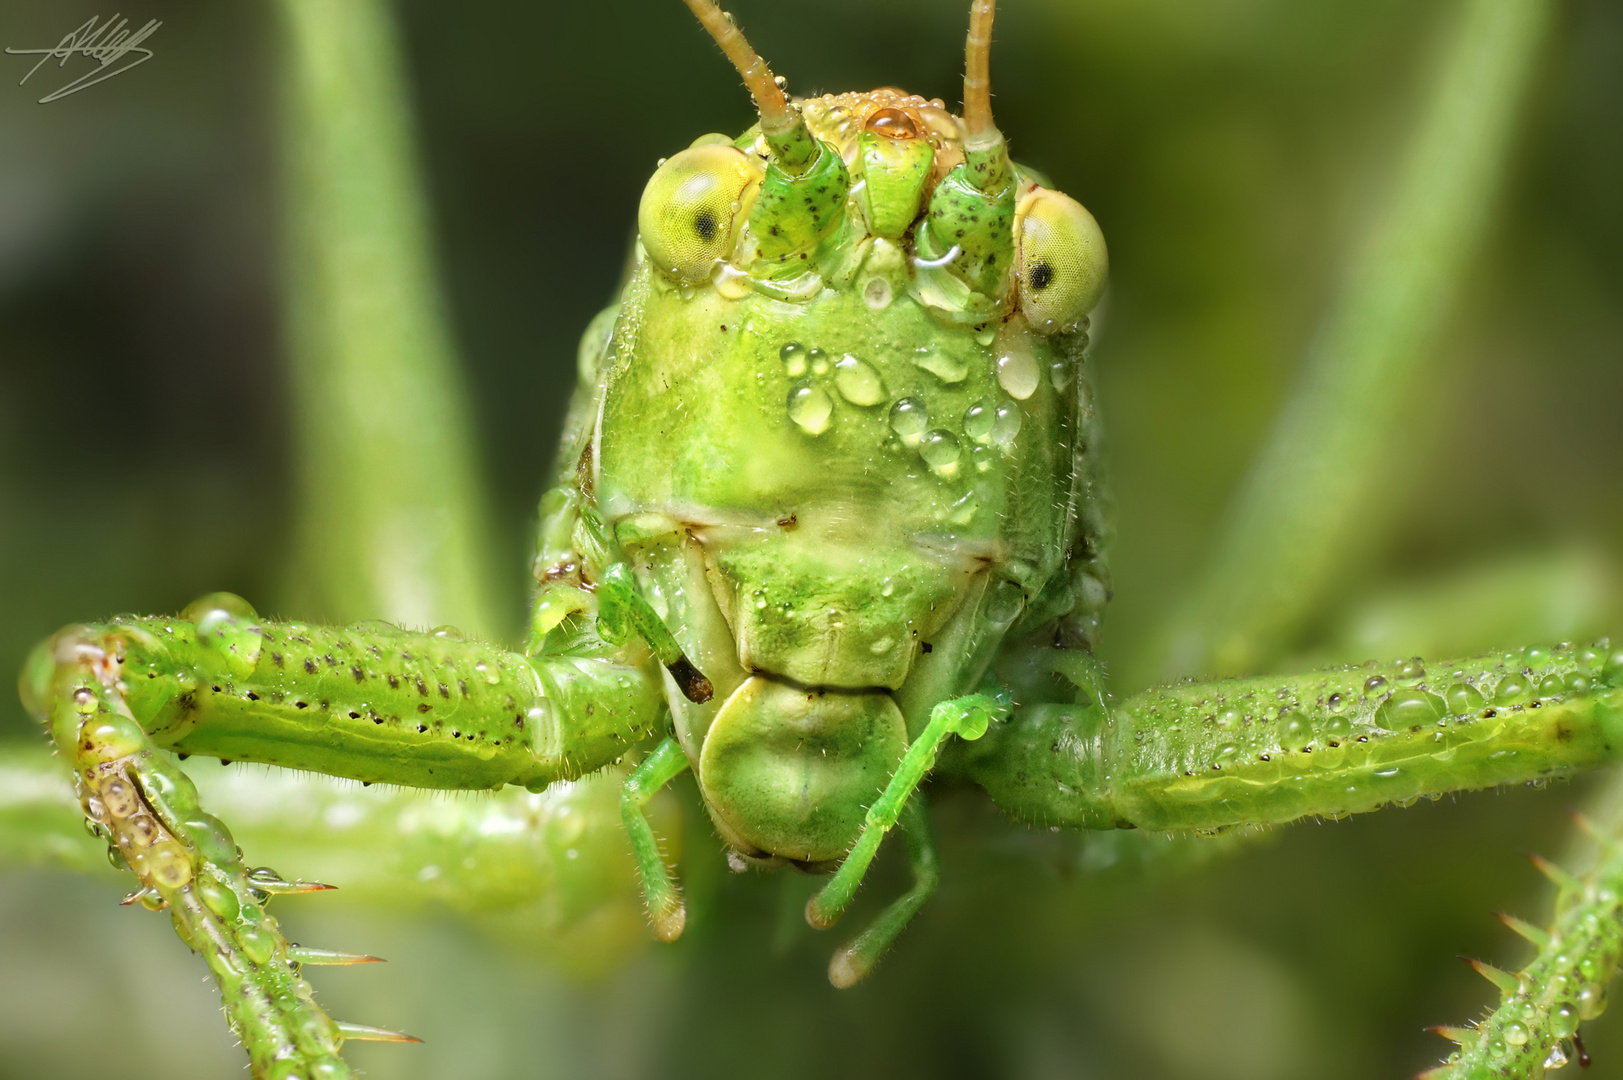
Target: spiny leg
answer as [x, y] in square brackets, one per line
[372, 703]
[136, 796]
[665, 909]
[1328, 743]
[853, 961]
[966, 717]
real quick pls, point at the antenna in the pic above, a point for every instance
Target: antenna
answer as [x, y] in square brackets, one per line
[778, 117]
[978, 126]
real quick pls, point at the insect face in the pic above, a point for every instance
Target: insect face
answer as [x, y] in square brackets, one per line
[843, 432]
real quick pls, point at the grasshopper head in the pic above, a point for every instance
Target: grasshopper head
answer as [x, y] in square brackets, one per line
[800, 198]
[843, 424]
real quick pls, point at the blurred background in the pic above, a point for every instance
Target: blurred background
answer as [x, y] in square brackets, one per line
[1234, 152]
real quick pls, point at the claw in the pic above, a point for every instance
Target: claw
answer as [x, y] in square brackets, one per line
[1538, 936]
[302, 954]
[1504, 980]
[367, 1033]
[265, 880]
[1561, 878]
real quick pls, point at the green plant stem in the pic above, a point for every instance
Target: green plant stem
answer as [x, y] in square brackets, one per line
[1313, 501]
[392, 513]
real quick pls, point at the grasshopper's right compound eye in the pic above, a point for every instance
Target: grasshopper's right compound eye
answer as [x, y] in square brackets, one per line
[690, 210]
[1062, 261]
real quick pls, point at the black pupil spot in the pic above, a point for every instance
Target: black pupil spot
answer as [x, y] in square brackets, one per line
[1042, 275]
[704, 223]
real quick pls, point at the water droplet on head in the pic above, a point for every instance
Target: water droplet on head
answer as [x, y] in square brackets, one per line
[819, 361]
[1516, 1033]
[876, 294]
[909, 419]
[793, 356]
[949, 367]
[983, 457]
[892, 124]
[939, 449]
[858, 382]
[985, 336]
[1017, 369]
[1006, 424]
[811, 408]
[978, 420]
[1374, 686]
[1059, 374]
[1411, 670]
[1535, 657]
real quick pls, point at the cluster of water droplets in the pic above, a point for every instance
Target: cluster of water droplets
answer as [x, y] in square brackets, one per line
[810, 405]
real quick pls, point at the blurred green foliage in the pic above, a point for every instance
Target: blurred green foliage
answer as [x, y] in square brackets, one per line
[1234, 153]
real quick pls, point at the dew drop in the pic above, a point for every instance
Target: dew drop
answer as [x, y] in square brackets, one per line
[1406, 708]
[939, 449]
[1006, 424]
[876, 294]
[1512, 688]
[1017, 370]
[1463, 699]
[948, 367]
[810, 408]
[858, 382]
[984, 458]
[978, 419]
[909, 419]
[1535, 657]
[793, 356]
[1059, 374]
[1564, 1020]
[1516, 1034]
[1591, 1002]
[1411, 670]
[819, 361]
[1374, 686]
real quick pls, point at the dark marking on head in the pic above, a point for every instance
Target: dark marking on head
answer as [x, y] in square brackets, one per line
[704, 223]
[1042, 276]
[926, 647]
[310, 666]
[360, 675]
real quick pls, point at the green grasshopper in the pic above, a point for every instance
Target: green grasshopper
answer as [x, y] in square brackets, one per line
[830, 522]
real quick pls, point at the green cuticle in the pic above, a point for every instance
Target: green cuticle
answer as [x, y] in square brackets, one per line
[895, 172]
[978, 223]
[795, 211]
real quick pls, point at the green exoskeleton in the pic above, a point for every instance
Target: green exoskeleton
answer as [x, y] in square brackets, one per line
[829, 523]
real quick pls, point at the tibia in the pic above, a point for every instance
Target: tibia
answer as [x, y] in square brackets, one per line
[136, 797]
[1272, 749]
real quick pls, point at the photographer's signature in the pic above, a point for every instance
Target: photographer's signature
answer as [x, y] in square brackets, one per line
[116, 47]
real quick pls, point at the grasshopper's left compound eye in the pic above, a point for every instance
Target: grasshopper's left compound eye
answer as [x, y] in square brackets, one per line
[1062, 262]
[691, 207]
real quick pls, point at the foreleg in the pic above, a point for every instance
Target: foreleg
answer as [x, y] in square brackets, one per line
[372, 703]
[1201, 756]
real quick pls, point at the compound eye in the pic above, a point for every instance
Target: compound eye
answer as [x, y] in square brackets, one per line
[1062, 262]
[690, 209]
